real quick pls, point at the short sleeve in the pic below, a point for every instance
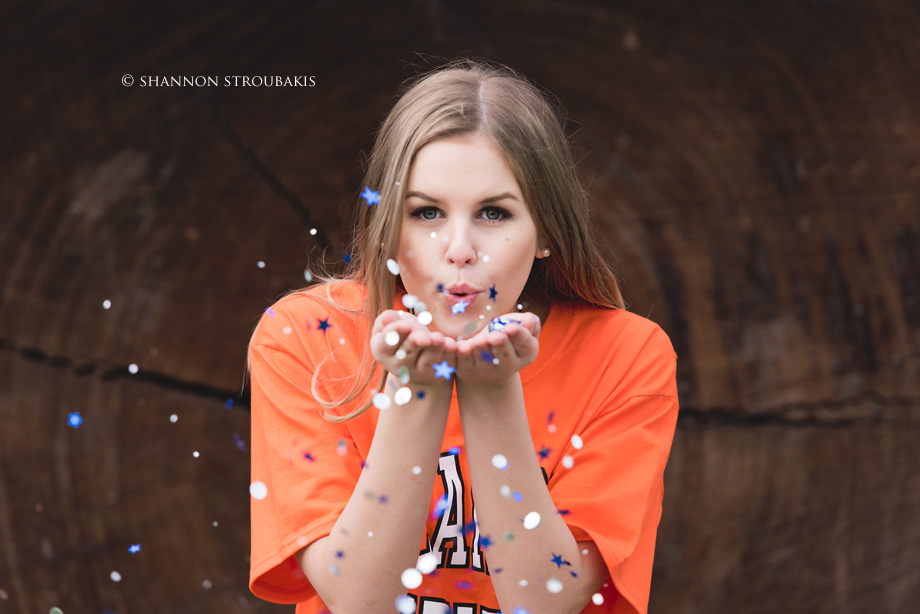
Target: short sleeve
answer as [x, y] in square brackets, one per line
[309, 467]
[613, 491]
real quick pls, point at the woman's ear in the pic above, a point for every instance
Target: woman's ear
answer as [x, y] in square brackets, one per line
[543, 252]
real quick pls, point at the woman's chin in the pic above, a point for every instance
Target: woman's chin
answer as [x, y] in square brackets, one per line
[458, 327]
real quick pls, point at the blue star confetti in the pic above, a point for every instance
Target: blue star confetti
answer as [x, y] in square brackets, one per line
[229, 403]
[485, 541]
[270, 311]
[420, 394]
[324, 324]
[497, 324]
[493, 293]
[459, 307]
[439, 507]
[240, 444]
[520, 610]
[559, 561]
[440, 288]
[134, 549]
[464, 585]
[544, 451]
[455, 450]
[309, 457]
[518, 496]
[339, 554]
[487, 356]
[347, 258]
[75, 419]
[563, 512]
[443, 369]
[372, 197]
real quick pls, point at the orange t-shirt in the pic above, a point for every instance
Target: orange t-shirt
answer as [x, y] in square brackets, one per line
[606, 375]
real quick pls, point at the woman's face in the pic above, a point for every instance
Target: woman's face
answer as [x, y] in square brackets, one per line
[467, 241]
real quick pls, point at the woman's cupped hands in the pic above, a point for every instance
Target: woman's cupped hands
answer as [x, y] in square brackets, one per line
[413, 353]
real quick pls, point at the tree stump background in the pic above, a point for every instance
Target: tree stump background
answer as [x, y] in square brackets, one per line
[755, 171]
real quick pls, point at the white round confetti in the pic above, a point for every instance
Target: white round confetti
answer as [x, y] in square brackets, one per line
[522, 583]
[312, 231]
[391, 338]
[56, 611]
[553, 585]
[393, 266]
[500, 462]
[206, 584]
[260, 264]
[485, 258]
[400, 354]
[427, 563]
[488, 308]
[334, 570]
[411, 578]
[405, 604]
[173, 418]
[409, 300]
[425, 318]
[420, 306]
[381, 401]
[258, 490]
[307, 275]
[106, 304]
[370, 533]
[416, 470]
[551, 428]
[287, 330]
[597, 598]
[577, 443]
[433, 234]
[531, 520]
[116, 577]
[195, 453]
[402, 396]
[567, 462]
[520, 307]
[505, 490]
[132, 368]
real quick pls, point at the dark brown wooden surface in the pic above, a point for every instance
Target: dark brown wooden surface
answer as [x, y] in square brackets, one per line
[755, 171]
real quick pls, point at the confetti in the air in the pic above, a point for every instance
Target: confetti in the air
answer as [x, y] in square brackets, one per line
[409, 300]
[134, 549]
[517, 496]
[372, 197]
[522, 583]
[307, 275]
[324, 325]
[544, 452]
[341, 447]
[519, 609]
[500, 462]
[427, 563]
[454, 450]
[261, 264]
[173, 418]
[577, 443]
[195, 454]
[401, 355]
[74, 419]
[425, 318]
[405, 604]
[258, 490]
[334, 570]
[313, 232]
[402, 396]
[459, 307]
[106, 304]
[493, 292]
[532, 520]
[464, 585]
[568, 462]
[346, 258]
[597, 598]
[228, 403]
[393, 266]
[206, 585]
[553, 585]
[439, 507]
[381, 401]
[403, 371]
[411, 578]
[391, 338]
[485, 541]
[559, 561]
[116, 577]
[443, 369]
[132, 368]
[416, 470]
[505, 490]
[55, 611]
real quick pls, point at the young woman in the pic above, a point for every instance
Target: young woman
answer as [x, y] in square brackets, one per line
[470, 421]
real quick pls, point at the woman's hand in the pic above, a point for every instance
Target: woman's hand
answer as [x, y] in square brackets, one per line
[493, 356]
[415, 348]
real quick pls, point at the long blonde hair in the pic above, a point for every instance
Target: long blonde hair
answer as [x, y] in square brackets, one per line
[476, 97]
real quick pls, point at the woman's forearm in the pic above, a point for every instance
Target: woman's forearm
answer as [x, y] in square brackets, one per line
[538, 568]
[357, 567]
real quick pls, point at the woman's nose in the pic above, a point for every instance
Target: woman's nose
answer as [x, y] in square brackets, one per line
[460, 248]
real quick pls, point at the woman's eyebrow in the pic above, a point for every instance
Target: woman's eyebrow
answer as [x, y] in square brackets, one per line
[484, 201]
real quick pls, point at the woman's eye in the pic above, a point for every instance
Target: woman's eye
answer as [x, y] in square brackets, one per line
[427, 214]
[496, 214]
